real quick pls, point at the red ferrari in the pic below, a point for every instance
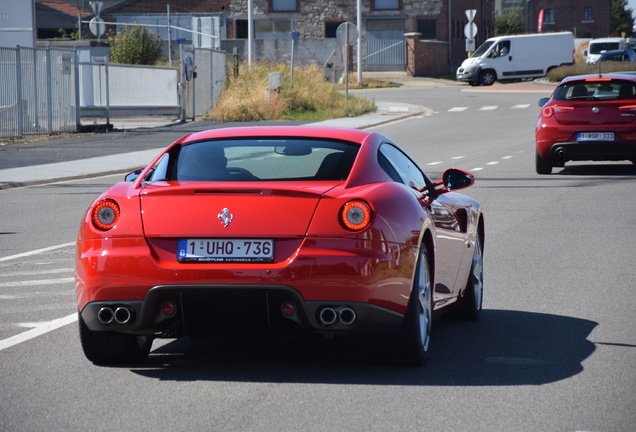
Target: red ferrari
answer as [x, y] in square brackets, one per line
[588, 117]
[324, 230]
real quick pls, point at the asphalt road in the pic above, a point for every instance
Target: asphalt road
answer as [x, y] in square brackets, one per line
[555, 349]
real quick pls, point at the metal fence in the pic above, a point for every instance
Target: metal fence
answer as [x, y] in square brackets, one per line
[384, 54]
[37, 91]
[48, 90]
[205, 90]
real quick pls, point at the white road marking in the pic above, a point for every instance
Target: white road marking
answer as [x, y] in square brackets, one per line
[434, 163]
[35, 252]
[43, 327]
[489, 108]
[458, 109]
[39, 330]
[520, 106]
[458, 157]
[507, 157]
[493, 163]
[36, 282]
[32, 272]
[476, 169]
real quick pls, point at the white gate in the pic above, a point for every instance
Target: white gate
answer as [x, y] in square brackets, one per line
[383, 54]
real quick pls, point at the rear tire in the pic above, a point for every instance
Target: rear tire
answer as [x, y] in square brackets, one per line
[113, 347]
[487, 77]
[471, 306]
[415, 336]
[543, 165]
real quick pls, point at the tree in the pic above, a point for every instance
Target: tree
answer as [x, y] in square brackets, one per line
[135, 45]
[509, 22]
[621, 19]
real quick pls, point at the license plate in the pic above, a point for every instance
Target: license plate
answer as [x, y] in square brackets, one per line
[225, 250]
[595, 136]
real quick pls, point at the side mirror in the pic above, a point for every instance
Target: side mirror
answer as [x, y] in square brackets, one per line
[543, 101]
[132, 176]
[455, 179]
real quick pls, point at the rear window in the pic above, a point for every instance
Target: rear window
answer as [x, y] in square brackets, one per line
[269, 159]
[607, 90]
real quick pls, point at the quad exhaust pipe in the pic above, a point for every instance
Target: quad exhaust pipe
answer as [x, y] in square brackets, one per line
[120, 315]
[330, 316]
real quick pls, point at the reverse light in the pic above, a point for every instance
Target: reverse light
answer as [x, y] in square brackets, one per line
[551, 110]
[105, 215]
[356, 215]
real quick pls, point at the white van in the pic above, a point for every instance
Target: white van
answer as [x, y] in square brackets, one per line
[599, 46]
[518, 56]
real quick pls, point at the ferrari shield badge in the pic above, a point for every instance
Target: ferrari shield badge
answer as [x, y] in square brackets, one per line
[225, 217]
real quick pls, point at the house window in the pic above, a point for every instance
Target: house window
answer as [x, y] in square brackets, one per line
[240, 29]
[283, 5]
[548, 16]
[272, 29]
[427, 28]
[331, 27]
[587, 14]
[386, 4]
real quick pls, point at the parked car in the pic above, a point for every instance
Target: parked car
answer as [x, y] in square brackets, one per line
[625, 55]
[598, 46]
[324, 230]
[588, 117]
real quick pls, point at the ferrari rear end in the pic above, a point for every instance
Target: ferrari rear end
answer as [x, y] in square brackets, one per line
[225, 234]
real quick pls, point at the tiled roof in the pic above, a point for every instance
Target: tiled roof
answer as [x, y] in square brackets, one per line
[176, 6]
[62, 8]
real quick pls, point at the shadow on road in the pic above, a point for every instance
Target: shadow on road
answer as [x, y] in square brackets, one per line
[503, 348]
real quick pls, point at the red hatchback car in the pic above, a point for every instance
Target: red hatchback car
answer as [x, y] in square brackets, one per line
[324, 230]
[588, 117]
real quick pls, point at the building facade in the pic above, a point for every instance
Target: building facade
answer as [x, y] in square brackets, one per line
[584, 18]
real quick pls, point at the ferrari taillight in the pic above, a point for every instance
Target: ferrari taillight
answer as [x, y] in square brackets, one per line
[356, 215]
[551, 110]
[105, 215]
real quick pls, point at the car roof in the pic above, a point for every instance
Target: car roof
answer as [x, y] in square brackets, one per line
[354, 135]
[608, 39]
[612, 75]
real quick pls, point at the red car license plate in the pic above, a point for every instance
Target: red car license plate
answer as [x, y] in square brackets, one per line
[595, 136]
[225, 250]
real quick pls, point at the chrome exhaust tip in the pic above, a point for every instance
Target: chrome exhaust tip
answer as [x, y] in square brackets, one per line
[347, 316]
[122, 315]
[328, 316]
[105, 315]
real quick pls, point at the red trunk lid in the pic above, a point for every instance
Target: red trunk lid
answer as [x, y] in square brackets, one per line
[595, 114]
[233, 210]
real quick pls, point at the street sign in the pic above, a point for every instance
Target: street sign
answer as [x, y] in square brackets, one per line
[347, 33]
[470, 44]
[470, 30]
[97, 26]
[470, 14]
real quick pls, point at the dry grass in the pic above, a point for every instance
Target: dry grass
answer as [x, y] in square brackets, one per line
[309, 98]
[561, 72]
